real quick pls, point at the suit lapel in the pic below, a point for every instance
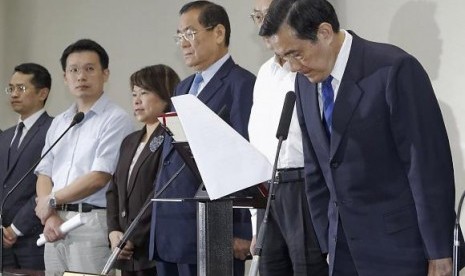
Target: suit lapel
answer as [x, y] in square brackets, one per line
[349, 94]
[142, 157]
[129, 151]
[205, 95]
[27, 139]
[216, 82]
[308, 93]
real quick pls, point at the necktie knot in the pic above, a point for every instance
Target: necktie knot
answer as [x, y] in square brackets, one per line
[194, 90]
[20, 126]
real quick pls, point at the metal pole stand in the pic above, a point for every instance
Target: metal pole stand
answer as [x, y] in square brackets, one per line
[215, 238]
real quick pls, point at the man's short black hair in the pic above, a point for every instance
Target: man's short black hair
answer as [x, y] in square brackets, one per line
[211, 15]
[84, 45]
[304, 16]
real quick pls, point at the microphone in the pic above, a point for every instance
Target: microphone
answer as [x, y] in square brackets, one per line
[286, 115]
[281, 134]
[78, 117]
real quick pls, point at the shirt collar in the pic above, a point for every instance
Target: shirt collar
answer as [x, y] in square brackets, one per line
[208, 74]
[342, 57]
[30, 121]
[97, 108]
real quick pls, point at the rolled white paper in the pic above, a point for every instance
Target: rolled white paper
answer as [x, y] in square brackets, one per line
[66, 227]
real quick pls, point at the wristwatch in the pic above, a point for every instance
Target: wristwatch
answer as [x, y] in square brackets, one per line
[52, 201]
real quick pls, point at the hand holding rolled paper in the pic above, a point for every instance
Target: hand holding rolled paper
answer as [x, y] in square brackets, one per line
[65, 228]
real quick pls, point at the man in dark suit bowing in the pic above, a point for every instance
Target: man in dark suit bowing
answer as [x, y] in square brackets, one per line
[203, 36]
[20, 147]
[379, 172]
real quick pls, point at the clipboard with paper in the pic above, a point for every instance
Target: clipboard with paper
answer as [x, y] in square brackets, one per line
[226, 162]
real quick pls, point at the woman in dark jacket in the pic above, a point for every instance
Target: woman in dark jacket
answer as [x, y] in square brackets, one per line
[132, 182]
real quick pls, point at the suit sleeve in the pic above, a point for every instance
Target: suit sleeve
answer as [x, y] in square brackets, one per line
[423, 146]
[315, 186]
[26, 220]
[113, 204]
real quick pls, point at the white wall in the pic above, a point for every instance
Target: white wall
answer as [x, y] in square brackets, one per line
[139, 32]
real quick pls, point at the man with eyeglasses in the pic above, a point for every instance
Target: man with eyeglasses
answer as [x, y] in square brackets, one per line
[290, 245]
[20, 147]
[73, 177]
[203, 37]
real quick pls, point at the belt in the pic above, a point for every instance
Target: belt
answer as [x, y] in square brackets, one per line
[80, 207]
[290, 175]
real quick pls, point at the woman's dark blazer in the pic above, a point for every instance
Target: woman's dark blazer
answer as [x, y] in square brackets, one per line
[125, 198]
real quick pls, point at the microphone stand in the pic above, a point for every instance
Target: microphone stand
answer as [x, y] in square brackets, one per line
[128, 233]
[282, 132]
[261, 234]
[78, 117]
[455, 254]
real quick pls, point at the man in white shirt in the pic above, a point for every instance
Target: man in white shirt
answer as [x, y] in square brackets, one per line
[290, 246]
[20, 147]
[73, 177]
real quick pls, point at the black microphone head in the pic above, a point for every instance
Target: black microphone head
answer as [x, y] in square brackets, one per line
[286, 116]
[78, 117]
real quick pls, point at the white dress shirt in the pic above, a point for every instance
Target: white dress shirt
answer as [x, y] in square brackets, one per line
[338, 69]
[272, 84]
[92, 145]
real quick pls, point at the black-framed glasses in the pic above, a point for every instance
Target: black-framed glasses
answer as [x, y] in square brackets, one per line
[258, 16]
[188, 35]
[21, 88]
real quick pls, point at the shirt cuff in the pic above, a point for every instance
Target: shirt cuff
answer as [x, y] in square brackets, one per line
[16, 230]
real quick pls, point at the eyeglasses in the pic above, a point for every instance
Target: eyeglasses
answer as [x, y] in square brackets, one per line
[75, 70]
[188, 35]
[258, 16]
[12, 88]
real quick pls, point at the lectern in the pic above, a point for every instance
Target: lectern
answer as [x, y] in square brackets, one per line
[215, 220]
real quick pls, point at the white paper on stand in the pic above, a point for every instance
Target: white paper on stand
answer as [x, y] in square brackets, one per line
[65, 228]
[227, 161]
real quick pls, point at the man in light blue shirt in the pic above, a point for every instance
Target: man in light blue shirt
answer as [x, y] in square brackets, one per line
[73, 177]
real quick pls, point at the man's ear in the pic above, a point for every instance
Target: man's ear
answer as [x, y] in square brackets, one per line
[325, 32]
[220, 33]
[106, 74]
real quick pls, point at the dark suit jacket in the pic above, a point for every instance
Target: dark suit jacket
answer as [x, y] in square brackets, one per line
[387, 171]
[124, 201]
[173, 232]
[19, 206]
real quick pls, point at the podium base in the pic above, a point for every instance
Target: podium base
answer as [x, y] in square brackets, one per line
[214, 238]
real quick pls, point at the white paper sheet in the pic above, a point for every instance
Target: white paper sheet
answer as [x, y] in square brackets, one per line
[227, 162]
[66, 227]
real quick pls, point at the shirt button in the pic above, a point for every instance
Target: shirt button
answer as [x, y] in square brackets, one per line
[166, 163]
[123, 214]
[334, 165]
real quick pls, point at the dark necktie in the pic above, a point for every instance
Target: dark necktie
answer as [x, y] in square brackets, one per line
[13, 153]
[196, 84]
[328, 104]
